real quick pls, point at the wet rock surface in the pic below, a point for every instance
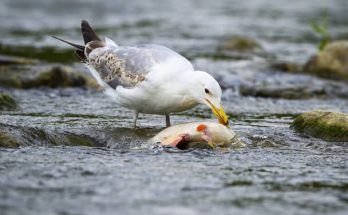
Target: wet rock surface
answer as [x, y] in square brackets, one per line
[8, 141]
[239, 44]
[44, 75]
[7, 102]
[329, 126]
[331, 63]
[286, 67]
[267, 82]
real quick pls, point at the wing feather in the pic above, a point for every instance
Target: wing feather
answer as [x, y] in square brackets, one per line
[129, 66]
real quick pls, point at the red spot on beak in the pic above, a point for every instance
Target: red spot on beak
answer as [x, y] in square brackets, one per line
[201, 127]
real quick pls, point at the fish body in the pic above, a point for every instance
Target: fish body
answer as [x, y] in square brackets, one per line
[214, 134]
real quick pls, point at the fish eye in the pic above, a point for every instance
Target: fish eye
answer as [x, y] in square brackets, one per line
[206, 91]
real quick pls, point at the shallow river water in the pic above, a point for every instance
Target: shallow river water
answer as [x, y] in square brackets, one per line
[80, 155]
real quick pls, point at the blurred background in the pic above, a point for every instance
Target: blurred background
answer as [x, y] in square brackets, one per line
[273, 59]
[192, 27]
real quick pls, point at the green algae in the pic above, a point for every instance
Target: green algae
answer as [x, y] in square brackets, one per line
[11, 60]
[7, 102]
[48, 54]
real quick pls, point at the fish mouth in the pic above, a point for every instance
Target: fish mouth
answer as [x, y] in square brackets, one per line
[185, 142]
[219, 113]
[184, 145]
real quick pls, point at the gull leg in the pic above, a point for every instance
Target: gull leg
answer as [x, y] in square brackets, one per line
[167, 120]
[135, 118]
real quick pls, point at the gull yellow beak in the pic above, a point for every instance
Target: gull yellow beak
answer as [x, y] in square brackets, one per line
[219, 113]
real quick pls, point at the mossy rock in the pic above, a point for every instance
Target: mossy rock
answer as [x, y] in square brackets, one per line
[53, 76]
[29, 52]
[59, 76]
[331, 63]
[7, 102]
[240, 44]
[7, 141]
[9, 60]
[329, 126]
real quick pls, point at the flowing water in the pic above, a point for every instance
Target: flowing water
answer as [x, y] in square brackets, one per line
[78, 151]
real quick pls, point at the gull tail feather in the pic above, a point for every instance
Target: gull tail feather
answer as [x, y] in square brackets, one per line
[106, 88]
[77, 46]
[88, 33]
[91, 40]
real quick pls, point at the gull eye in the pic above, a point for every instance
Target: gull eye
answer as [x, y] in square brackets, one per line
[206, 91]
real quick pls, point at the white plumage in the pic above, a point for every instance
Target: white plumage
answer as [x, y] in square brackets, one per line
[148, 78]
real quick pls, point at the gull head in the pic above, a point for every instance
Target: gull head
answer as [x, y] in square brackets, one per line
[208, 91]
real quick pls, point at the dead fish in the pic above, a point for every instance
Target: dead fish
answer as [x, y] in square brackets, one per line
[213, 134]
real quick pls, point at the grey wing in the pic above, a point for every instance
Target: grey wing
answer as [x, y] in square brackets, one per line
[128, 66]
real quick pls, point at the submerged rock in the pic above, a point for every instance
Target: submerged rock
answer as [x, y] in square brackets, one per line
[331, 63]
[29, 54]
[59, 76]
[329, 126]
[270, 84]
[53, 76]
[7, 102]
[8, 141]
[16, 136]
[285, 92]
[240, 44]
[76, 140]
[287, 67]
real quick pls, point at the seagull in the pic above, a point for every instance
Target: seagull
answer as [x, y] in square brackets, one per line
[147, 78]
